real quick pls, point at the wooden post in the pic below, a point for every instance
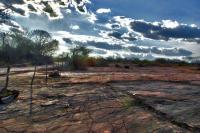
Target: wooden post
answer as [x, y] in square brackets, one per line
[31, 92]
[7, 77]
[46, 79]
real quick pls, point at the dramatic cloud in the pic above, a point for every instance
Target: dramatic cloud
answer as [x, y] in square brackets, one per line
[108, 34]
[122, 36]
[115, 34]
[67, 40]
[161, 51]
[102, 45]
[166, 30]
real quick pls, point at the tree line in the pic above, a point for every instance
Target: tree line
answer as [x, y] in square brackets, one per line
[36, 47]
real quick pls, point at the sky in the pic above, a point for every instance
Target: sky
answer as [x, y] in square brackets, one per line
[184, 11]
[145, 29]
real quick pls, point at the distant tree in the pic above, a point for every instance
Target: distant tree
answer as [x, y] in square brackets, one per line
[80, 51]
[41, 38]
[43, 49]
[79, 55]
[24, 47]
[44, 46]
[7, 51]
[7, 56]
[62, 59]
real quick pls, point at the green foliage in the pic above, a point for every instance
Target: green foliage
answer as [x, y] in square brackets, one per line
[18, 48]
[79, 56]
[127, 102]
[44, 45]
[101, 62]
[49, 48]
[80, 51]
[11, 48]
[160, 62]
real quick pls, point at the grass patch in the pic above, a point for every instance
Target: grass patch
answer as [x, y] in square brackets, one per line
[127, 102]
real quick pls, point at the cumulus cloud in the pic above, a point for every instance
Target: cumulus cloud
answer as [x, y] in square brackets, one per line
[92, 18]
[102, 45]
[115, 34]
[112, 26]
[103, 10]
[74, 27]
[161, 51]
[166, 30]
[169, 24]
[121, 36]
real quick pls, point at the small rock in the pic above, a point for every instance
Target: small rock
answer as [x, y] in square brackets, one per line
[55, 74]
[49, 103]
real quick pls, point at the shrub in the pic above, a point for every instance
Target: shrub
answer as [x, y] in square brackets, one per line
[78, 63]
[101, 62]
[90, 62]
[127, 102]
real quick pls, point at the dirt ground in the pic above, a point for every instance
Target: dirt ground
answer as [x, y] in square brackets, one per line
[106, 100]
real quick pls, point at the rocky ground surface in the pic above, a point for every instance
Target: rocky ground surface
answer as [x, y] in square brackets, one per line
[106, 100]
